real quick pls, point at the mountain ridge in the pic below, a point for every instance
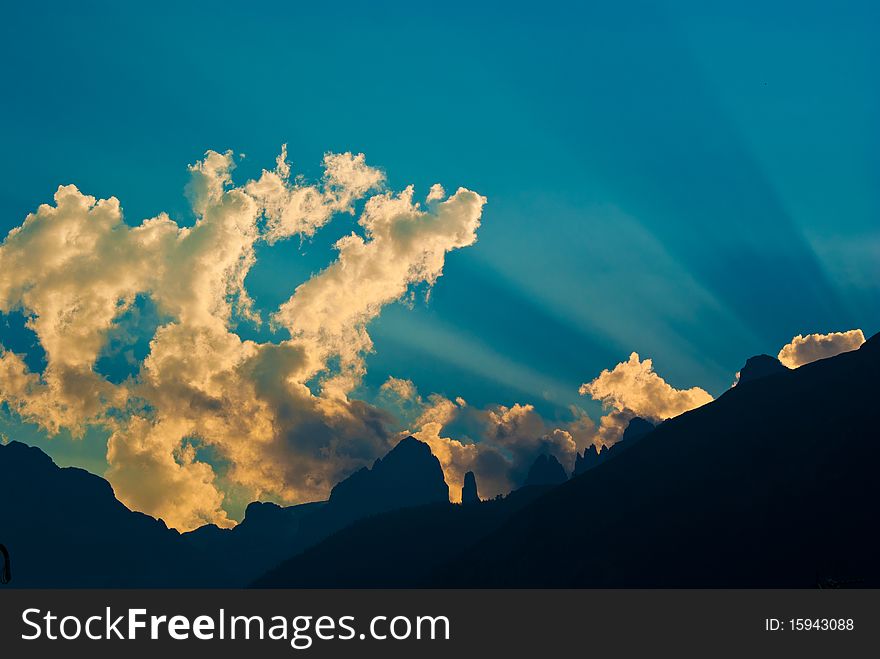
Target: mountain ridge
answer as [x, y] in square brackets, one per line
[87, 537]
[769, 485]
[741, 492]
[803, 517]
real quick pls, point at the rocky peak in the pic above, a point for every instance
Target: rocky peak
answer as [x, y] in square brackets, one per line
[546, 470]
[409, 475]
[760, 366]
[469, 490]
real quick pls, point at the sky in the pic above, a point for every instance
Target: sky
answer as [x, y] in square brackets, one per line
[689, 182]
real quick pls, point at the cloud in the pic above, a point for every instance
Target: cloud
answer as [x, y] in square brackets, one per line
[403, 245]
[276, 417]
[301, 209]
[634, 388]
[612, 426]
[805, 349]
[436, 193]
[520, 432]
[425, 420]
[74, 268]
[154, 471]
[507, 439]
[505, 443]
[402, 389]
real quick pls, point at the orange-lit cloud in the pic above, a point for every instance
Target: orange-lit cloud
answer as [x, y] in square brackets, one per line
[75, 267]
[634, 387]
[511, 437]
[805, 349]
[507, 441]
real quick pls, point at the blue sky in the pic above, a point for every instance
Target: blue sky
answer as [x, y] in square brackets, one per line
[693, 183]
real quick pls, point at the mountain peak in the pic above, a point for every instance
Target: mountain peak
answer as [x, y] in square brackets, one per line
[546, 470]
[408, 475]
[24, 453]
[260, 511]
[65, 517]
[593, 455]
[636, 429]
[408, 448]
[469, 489]
[590, 458]
[873, 343]
[760, 366]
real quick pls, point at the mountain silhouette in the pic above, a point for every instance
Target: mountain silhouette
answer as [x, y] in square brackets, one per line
[266, 536]
[67, 529]
[409, 475]
[593, 456]
[546, 470]
[469, 489]
[635, 430]
[771, 485]
[760, 366]
[399, 549]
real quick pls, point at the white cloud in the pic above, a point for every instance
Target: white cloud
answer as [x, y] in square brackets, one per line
[436, 193]
[75, 268]
[151, 469]
[402, 389]
[805, 349]
[299, 208]
[510, 438]
[404, 245]
[633, 387]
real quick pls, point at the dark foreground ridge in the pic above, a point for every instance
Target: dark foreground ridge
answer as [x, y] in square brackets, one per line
[65, 528]
[592, 457]
[409, 475]
[772, 485]
[760, 366]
